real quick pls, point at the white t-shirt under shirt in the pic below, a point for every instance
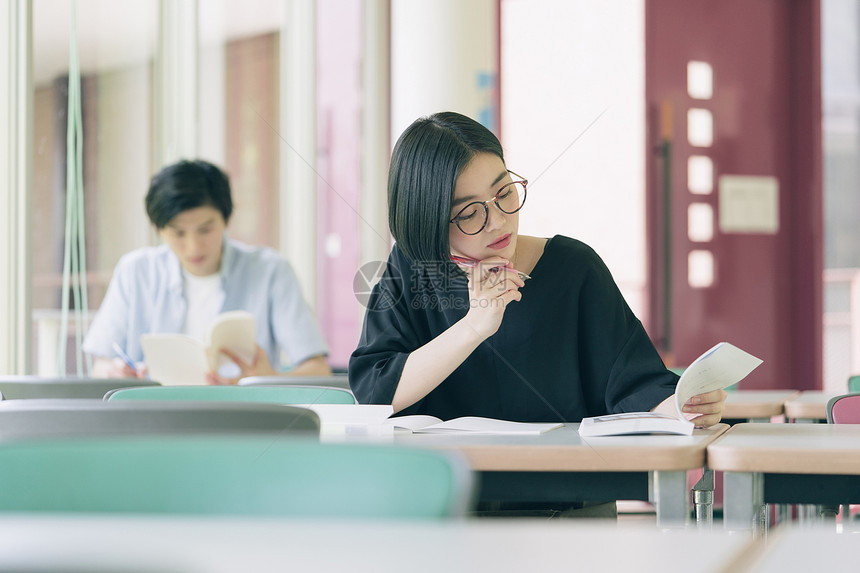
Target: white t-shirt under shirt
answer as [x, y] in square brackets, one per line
[205, 298]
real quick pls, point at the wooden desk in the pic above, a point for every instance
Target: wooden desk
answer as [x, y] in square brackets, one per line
[158, 544]
[785, 463]
[561, 466]
[809, 406]
[756, 404]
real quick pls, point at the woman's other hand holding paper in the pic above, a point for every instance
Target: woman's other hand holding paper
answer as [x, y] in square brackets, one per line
[708, 406]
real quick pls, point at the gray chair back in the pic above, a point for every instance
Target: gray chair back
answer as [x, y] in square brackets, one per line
[36, 387]
[36, 419]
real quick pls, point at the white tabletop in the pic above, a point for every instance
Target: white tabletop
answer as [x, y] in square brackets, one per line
[562, 449]
[805, 549]
[182, 544]
[788, 448]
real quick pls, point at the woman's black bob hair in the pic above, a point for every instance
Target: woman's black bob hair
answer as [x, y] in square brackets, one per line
[185, 185]
[425, 164]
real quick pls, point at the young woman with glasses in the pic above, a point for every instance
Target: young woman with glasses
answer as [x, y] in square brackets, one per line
[473, 319]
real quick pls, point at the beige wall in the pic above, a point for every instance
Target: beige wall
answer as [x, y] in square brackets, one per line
[45, 260]
[123, 166]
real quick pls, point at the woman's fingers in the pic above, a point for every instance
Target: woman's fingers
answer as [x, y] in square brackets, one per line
[707, 421]
[709, 406]
[492, 286]
[500, 280]
[709, 397]
[511, 296]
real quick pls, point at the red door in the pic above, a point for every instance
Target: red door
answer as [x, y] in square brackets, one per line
[734, 183]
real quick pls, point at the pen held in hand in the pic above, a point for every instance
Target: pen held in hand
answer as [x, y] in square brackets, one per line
[472, 263]
[125, 357]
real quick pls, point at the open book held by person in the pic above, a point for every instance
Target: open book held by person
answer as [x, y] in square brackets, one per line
[181, 360]
[719, 367]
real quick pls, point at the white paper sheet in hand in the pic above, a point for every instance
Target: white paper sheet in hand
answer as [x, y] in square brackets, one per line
[719, 367]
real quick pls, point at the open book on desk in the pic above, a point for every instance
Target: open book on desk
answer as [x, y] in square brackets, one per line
[179, 359]
[719, 367]
[422, 424]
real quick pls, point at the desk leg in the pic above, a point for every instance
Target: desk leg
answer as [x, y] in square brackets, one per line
[703, 498]
[668, 491]
[848, 524]
[743, 497]
[783, 513]
[807, 514]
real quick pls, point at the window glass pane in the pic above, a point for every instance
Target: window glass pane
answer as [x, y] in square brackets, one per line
[238, 108]
[841, 132]
[840, 83]
[339, 60]
[116, 47]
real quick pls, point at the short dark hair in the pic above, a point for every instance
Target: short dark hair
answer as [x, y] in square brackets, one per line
[425, 164]
[185, 185]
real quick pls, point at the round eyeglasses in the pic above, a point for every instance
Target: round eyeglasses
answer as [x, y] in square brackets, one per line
[472, 218]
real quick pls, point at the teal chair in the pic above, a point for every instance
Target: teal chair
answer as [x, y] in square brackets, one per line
[232, 475]
[39, 387]
[854, 383]
[270, 394]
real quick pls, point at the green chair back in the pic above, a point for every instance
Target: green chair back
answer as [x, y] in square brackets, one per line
[236, 475]
[39, 387]
[269, 394]
[854, 383]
